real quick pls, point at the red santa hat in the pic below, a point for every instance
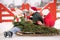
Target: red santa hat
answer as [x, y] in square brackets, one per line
[33, 9]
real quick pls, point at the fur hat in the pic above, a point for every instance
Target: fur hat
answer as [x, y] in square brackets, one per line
[33, 9]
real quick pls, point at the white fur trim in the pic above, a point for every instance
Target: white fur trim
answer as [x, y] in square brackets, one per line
[25, 10]
[45, 11]
[38, 11]
[31, 16]
[32, 10]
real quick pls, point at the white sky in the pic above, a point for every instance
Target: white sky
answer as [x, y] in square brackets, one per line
[19, 2]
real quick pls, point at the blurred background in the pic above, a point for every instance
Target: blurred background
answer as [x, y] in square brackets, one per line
[18, 3]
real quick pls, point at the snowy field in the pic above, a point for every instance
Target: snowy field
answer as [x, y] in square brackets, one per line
[30, 37]
[6, 26]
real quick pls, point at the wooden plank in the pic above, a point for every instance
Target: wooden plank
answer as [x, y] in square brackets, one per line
[39, 34]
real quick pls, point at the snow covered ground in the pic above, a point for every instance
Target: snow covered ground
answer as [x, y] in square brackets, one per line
[30, 37]
[7, 26]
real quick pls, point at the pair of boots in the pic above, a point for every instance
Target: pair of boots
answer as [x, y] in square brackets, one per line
[8, 34]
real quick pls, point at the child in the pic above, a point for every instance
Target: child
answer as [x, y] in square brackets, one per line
[36, 16]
